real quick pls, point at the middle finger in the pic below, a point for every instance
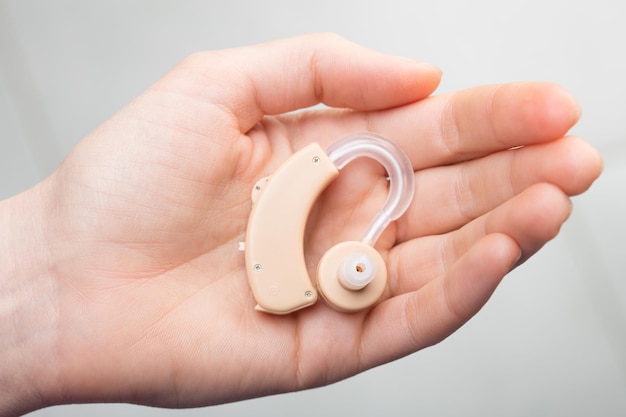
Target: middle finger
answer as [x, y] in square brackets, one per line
[448, 197]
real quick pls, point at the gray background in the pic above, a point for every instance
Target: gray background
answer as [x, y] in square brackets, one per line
[551, 342]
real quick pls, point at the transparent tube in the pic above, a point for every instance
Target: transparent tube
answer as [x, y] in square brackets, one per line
[399, 169]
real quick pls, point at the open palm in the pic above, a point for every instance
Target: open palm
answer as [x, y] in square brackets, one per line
[153, 304]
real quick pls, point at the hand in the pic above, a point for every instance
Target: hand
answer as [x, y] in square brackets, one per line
[144, 296]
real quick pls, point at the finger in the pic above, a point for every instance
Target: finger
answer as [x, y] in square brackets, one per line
[412, 321]
[483, 120]
[460, 126]
[450, 196]
[531, 219]
[290, 74]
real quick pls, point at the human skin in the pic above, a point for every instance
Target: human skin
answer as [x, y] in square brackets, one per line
[121, 280]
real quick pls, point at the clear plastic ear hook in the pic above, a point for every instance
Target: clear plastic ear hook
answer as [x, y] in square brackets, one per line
[399, 171]
[352, 275]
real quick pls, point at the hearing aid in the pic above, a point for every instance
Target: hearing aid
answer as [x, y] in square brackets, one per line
[352, 275]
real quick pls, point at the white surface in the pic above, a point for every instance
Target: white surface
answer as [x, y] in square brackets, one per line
[551, 342]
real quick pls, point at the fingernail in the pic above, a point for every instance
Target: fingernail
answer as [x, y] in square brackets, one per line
[515, 263]
[423, 66]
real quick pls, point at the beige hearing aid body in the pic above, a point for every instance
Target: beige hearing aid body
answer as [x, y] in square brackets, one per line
[274, 256]
[352, 275]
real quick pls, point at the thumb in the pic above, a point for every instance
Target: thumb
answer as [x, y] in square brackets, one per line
[295, 73]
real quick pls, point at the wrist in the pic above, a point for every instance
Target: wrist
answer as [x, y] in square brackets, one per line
[27, 305]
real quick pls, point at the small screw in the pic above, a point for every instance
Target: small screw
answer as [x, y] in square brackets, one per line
[316, 160]
[258, 267]
[308, 294]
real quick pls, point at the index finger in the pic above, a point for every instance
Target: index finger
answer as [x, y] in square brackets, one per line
[483, 120]
[461, 126]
